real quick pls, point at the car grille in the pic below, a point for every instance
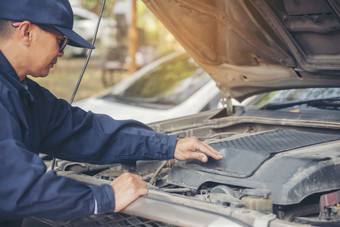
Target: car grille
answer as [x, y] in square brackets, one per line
[114, 220]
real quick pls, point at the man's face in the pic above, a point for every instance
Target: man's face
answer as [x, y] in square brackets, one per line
[45, 51]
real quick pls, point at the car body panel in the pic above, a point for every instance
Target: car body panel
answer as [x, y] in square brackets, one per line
[249, 47]
[167, 208]
[106, 103]
[147, 115]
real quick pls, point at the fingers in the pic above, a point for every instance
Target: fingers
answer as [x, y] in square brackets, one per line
[127, 188]
[208, 150]
[186, 149]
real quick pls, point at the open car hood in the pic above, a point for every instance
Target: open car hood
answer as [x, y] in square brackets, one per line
[254, 46]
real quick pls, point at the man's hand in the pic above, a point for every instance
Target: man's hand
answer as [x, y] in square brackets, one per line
[128, 187]
[186, 149]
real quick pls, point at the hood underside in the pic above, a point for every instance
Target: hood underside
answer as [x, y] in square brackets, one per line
[250, 47]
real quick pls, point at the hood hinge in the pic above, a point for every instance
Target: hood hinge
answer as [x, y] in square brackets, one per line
[226, 101]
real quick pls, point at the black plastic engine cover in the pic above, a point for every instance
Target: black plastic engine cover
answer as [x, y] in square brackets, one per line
[290, 164]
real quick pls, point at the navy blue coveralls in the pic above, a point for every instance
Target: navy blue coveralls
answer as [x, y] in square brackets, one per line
[33, 121]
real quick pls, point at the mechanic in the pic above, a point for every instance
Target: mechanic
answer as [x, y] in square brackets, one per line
[33, 34]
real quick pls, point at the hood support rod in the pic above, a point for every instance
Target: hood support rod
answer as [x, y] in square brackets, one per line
[86, 63]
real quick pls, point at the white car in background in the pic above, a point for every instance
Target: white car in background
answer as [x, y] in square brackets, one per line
[170, 87]
[85, 23]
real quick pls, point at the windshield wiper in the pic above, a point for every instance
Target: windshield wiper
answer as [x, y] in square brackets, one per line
[329, 103]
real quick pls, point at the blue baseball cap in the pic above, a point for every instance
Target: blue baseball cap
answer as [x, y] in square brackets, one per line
[57, 13]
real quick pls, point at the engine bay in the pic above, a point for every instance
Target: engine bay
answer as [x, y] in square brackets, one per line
[274, 166]
[287, 167]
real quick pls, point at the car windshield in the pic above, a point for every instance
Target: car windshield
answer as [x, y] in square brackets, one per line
[169, 84]
[289, 98]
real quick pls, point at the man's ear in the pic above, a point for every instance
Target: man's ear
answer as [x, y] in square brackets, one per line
[25, 32]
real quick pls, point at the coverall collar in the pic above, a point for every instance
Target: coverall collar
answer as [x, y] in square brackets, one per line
[8, 72]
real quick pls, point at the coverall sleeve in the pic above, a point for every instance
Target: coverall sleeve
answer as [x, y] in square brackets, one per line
[56, 128]
[75, 135]
[27, 190]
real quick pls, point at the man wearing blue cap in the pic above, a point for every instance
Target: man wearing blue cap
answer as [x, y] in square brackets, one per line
[33, 34]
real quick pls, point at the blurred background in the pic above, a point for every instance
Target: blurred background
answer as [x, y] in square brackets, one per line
[129, 38]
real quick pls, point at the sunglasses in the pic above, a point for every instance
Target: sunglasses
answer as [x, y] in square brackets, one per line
[49, 28]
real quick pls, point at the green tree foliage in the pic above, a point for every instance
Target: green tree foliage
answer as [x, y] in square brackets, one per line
[153, 32]
[95, 6]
